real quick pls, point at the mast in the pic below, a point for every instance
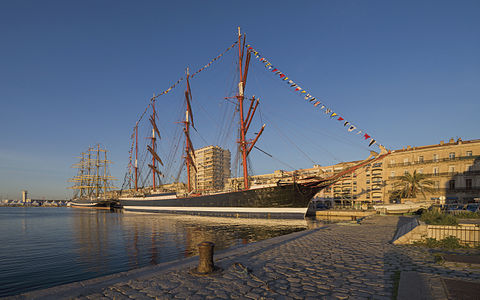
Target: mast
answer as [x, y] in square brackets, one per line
[105, 177]
[245, 121]
[189, 151]
[153, 147]
[136, 157]
[240, 97]
[97, 173]
[153, 143]
[89, 173]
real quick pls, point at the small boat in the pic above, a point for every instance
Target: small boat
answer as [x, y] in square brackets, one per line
[403, 208]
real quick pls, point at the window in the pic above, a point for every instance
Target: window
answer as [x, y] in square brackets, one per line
[392, 174]
[435, 157]
[451, 169]
[436, 184]
[368, 181]
[420, 171]
[405, 161]
[405, 172]
[420, 159]
[451, 184]
[435, 171]
[451, 155]
[392, 161]
[468, 183]
[469, 153]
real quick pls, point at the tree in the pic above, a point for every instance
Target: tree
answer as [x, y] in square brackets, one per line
[410, 184]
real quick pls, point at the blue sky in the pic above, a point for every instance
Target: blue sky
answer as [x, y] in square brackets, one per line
[76, 73]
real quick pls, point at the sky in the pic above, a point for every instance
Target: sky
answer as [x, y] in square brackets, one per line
[77, 73]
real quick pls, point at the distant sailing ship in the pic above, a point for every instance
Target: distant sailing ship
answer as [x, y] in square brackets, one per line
[280, 200]
[93, 181]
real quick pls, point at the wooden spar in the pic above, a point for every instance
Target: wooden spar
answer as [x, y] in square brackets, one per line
[240, 98]
[188, 97]
[255, 140]
[154, 155]
[152, 121]
[154, 169]
[251, 117]
[247, 63]
[334, 178]
[250, 109]
[191, 160]
[189, 142]
[189, 108]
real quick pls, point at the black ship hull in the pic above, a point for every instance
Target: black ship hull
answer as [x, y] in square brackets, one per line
[280, 201]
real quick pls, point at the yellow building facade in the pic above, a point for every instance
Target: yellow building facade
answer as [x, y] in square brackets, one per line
[453, 166]
[212, 168]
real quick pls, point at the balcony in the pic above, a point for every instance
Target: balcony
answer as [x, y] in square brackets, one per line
[443, 174]
[473, 157]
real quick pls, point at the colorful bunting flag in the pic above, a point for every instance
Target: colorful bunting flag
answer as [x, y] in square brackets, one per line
[308, 97]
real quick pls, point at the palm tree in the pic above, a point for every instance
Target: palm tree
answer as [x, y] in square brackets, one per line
[410, 184]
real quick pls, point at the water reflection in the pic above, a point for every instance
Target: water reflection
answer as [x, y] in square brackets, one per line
[43, 247]
[139, 239]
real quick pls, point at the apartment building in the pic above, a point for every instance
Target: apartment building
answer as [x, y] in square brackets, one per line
[213, 168]
[454, 167]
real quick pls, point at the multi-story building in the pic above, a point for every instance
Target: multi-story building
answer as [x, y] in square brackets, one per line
[454, 168]
[213, 168]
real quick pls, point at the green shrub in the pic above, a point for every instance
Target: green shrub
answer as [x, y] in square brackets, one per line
[450, 242]
[467, 215]
[438, 218]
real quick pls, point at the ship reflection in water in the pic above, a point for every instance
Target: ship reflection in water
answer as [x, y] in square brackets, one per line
[45, 247]
[146, 239]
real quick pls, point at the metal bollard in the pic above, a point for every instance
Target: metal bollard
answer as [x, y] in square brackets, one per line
[205, 264]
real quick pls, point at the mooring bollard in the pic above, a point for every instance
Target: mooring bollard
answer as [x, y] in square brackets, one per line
[205, 264]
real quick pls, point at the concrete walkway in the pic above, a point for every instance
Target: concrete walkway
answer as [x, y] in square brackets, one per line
[332, 262]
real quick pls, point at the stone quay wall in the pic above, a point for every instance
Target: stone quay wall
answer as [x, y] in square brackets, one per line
[335, 261]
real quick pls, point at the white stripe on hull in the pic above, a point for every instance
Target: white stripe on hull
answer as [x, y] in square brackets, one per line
[85, 204]
[271, 210]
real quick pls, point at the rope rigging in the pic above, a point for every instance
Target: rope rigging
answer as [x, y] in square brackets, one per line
[223, 122]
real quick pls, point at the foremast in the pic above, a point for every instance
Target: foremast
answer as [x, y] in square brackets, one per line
[153, 148]
[245, 146]
[189, 150]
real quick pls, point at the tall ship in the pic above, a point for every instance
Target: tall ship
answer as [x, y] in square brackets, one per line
[282, 199]
[92, 185]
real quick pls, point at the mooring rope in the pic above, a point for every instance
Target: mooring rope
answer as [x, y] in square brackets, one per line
[240, 268]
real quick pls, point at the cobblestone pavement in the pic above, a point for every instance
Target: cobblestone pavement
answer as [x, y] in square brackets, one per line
[332, 262]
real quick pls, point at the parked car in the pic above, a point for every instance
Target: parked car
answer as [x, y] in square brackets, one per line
[455, 207]
[473, 207]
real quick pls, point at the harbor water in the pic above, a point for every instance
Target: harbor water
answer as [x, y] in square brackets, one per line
[45, 247]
